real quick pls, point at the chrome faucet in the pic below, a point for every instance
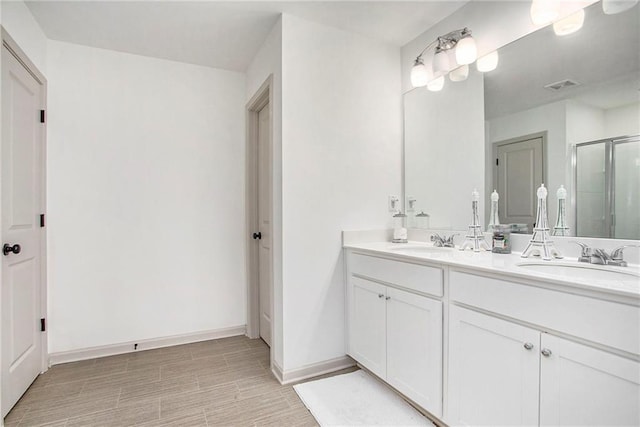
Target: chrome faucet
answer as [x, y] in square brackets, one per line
[617, 256]
[443, 241]
[600, 256]
[585, 254]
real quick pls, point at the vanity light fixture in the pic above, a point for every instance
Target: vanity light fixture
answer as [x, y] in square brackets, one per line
[419, 73]
[459, 74]
[436, 85]
[466, 50]
[543, 12]
[487, 63]
[440, 63]
[570, 24]
[465, 53]
[611, 7]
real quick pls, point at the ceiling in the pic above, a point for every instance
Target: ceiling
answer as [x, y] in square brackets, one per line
[603, 56]
[224, 34]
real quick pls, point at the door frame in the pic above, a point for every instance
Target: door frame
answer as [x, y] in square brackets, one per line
[13, 47]
[262, 97]
[518, 139]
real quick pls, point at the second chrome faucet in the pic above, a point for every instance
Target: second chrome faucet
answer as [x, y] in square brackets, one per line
[600, 256]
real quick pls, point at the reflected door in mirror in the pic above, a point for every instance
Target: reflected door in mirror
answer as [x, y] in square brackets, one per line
[519, 166]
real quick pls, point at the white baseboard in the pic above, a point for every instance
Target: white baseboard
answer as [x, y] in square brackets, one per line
[276, 370]
[147, 344]
[313, 370]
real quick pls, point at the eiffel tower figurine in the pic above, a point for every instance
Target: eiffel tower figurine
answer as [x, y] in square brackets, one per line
[474, 238]
[541, 243]
[561, 228]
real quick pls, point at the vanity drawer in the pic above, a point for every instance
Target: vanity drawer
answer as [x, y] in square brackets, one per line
[609, 323]
[419, 278]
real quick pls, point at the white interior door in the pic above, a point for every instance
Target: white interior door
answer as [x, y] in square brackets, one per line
[519, 174]
[264, 221]
[22, 150]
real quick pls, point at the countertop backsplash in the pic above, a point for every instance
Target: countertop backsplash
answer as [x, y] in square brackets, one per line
[518, 241]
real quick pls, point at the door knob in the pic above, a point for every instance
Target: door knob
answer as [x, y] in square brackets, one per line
[257, 236]
[7, 249]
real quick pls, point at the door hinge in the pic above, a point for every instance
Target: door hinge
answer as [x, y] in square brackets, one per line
[41, 116]
[497, 162]
[41, 220]
[43, 325]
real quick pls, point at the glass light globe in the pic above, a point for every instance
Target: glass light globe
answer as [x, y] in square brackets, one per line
[466, 51]
[459, 74]
[543, 12]
[419, 74]
[611, 7]
[570, 24]
[436, 85]
[489, 62]
[440, 63]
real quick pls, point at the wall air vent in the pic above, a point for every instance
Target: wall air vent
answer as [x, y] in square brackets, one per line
[562, 84]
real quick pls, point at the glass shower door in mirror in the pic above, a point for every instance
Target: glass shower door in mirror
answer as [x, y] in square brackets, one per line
[607, 188]
[626, 188]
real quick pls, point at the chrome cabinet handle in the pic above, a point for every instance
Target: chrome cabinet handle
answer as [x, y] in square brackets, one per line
[380, 295]
[388, 298]
[528, 345]
[546, 352]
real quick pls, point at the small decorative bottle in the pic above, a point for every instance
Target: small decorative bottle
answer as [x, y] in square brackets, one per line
[493, 218]
[422, 220]
[561, 228]
[399, 229]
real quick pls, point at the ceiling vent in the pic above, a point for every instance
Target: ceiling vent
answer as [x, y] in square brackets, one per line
[562, 84]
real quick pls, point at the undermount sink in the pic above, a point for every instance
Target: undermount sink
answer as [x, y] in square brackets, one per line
[581, 271]
[417, 249]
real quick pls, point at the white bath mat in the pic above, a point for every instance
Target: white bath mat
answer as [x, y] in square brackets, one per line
[357, 399]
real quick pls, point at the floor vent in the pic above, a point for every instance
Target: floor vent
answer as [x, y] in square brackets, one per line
[562, 84]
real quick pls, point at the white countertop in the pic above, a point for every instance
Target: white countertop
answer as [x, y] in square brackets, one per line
[510, 265]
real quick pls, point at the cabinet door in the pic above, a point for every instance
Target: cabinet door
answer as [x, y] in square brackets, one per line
[493, 377]
[367, 325]
[414, 348]
[581, 385]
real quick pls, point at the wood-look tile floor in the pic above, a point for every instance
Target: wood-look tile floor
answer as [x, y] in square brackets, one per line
[224, 382]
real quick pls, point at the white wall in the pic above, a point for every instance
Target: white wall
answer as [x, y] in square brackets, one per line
[25, 31]
[268, 62]
[622, 121]
[584, 123]
[444, 154]
[341, 158]
[146, 198]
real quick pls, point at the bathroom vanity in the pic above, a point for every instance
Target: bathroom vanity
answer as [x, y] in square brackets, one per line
[488, 339]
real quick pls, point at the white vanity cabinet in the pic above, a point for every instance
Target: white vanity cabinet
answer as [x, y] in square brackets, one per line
[505, 373]
[493, 371]
[397, 333]
[583, 385]
[476, 345]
